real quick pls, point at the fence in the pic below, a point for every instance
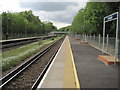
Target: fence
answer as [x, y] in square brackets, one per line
[97, 41]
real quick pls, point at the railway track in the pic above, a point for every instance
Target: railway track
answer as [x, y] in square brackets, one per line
[28, 75]
[15, 43]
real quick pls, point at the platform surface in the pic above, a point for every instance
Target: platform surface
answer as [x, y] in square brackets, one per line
[93, 73]
[61, 72]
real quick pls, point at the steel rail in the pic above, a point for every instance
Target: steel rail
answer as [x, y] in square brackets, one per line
[24, 66]
[35, 85]
[6, 44]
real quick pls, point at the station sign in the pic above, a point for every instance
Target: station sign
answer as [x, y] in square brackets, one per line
[111, 17]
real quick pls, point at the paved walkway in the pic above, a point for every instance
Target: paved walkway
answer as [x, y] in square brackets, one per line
[92, 73]
[62, 72]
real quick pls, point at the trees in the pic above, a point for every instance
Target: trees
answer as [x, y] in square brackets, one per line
[78, 22]
[90, 19]
[24, 24]
[49, 27]
[66, 29]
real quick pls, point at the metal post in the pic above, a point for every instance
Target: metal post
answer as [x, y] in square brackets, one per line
[107, 43]
[103, 36]
[94, 40]
[76, 36]
[90, 38]
[85, 37]
[99, 42]
[116, 41]
[79, 36]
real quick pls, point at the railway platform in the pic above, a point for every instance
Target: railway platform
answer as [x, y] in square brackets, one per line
[76, 65]
[62, 71]
[93, 73]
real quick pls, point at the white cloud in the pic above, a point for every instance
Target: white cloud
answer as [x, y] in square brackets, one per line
[70, 0]
[46, 16]
[63, 16]
[54, 0]
[60, 24]
[11, 5]
[59, 18]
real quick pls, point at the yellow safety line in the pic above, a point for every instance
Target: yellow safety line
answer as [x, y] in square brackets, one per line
[70, 75]
[74, 68]
[69, 79]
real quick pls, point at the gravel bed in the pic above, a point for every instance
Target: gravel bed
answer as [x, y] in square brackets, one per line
[27, 78]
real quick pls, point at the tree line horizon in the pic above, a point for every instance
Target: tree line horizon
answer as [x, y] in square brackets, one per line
[24, 24]
[89, 20]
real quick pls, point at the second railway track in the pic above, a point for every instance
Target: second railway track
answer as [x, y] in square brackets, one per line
[24, 77]
[15, 43]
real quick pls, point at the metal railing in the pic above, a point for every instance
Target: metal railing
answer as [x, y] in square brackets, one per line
[97, 41]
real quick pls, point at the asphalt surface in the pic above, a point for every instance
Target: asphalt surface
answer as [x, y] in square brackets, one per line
[93, 73]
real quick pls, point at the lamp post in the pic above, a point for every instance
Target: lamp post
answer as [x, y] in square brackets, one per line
[84, 26]
[7, 28]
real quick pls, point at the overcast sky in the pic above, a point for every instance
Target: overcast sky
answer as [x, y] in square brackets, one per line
[60, 13]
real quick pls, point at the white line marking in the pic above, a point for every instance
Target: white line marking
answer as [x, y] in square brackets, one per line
[99, 49]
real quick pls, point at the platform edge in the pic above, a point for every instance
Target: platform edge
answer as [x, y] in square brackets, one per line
[74, 67]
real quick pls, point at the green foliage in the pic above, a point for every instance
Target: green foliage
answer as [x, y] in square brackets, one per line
[24, 24]
[67, 28]
[78, 22]
[14, 56]
[90, 19]
[49, 27]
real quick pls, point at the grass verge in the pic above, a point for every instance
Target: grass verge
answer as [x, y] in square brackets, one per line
[12, 57]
